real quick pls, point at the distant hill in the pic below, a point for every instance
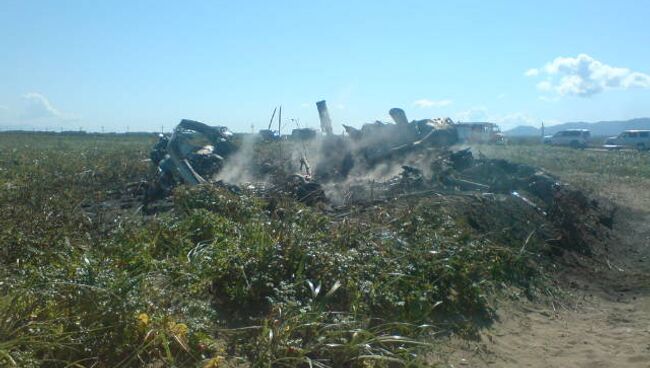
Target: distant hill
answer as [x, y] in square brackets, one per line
[601, 128]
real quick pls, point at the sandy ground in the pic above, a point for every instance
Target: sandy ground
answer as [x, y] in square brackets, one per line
[604, 323]
[598, 333]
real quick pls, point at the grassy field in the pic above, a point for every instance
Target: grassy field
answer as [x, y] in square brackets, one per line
[567, 161]
[226, 280]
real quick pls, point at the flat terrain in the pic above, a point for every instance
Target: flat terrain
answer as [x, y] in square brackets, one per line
[210, 278]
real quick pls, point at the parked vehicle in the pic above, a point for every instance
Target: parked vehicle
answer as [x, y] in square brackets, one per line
[639, 139]
[480, 133]
[576, 138]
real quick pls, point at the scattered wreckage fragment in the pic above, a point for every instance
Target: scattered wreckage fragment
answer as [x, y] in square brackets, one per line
[180, 160]
[185, 158]
[305, 190]
[379, 141]
[324, 115]
[303, 134]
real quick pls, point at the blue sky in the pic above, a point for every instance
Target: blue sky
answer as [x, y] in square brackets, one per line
[147, 64]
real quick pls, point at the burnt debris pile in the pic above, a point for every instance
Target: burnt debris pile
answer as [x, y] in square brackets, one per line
[383, 163]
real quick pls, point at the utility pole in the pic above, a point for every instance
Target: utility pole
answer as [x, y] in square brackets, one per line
[280, 135]
[272, 116]
[280, 122]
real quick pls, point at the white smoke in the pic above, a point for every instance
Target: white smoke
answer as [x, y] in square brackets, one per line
[238, 168]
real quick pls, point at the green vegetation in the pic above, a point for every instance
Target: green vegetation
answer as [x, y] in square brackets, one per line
[226, 280]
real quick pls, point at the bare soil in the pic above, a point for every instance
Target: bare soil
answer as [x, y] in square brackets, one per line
[604, 321]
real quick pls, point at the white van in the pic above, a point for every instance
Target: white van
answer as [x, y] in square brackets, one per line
[576, 138]
[639, 139]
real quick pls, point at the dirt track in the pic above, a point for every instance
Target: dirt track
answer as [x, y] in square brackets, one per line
[605, 322]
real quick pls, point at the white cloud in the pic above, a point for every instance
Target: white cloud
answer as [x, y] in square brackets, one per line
[585, 76]
[38, 106]
[554, 98]
[532, 72]
[544, 86]
[425, 103]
